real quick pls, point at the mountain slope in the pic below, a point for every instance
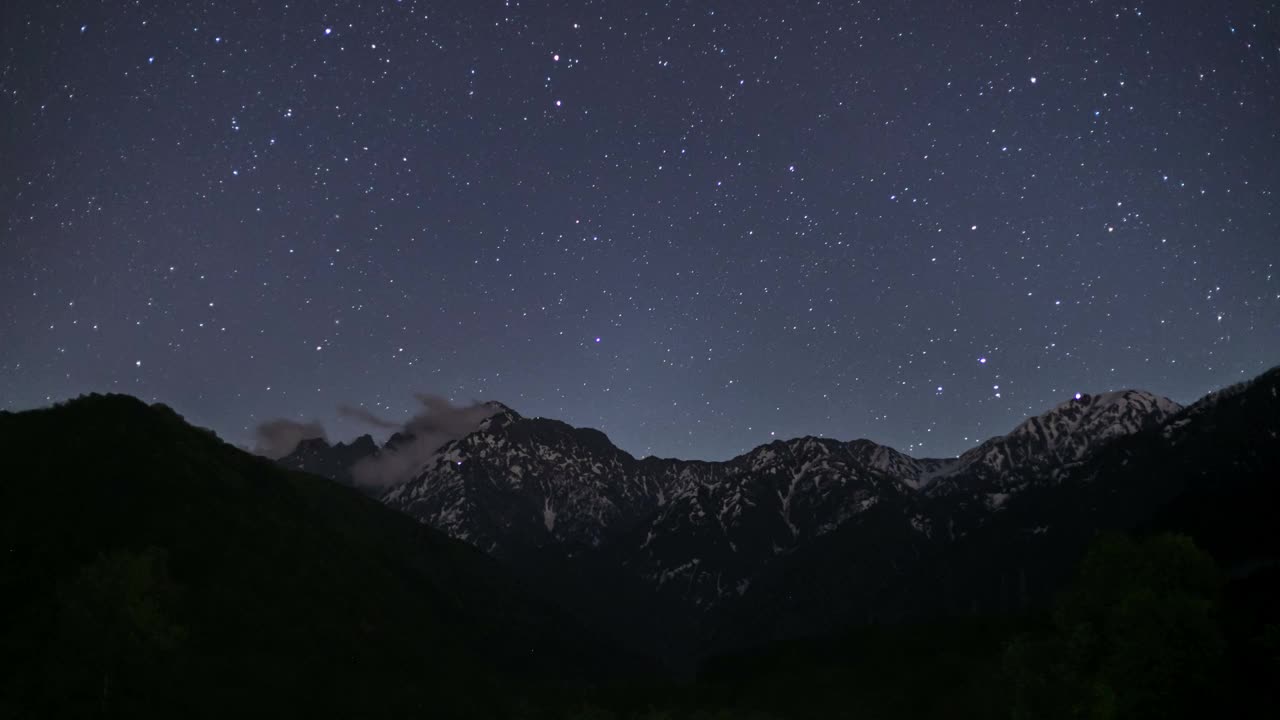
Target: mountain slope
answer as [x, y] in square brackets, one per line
[504, 486]
[700, 533]
[1211, 470]
[150, 567]
[1044, 447]
[803, 535]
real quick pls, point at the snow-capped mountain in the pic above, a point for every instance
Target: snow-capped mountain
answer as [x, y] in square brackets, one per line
[699, 530]
[702, 531]
[809, 532]
[1044, 448]
[722, 522]
[528, 482]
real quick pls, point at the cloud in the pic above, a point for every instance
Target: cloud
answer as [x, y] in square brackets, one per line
[277, 438]
[437, 423]
[443, 417]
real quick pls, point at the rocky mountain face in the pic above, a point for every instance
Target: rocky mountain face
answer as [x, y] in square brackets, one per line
[1044, 448]
[528, 483]
[997, 543]
[703, 530]
[810, 532]
[334, 461]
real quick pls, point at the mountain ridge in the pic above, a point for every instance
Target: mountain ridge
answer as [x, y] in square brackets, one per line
[679, 559]
[702, 530]
[706, 537]
[505, 415]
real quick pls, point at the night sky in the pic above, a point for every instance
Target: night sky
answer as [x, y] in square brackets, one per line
[695, 226]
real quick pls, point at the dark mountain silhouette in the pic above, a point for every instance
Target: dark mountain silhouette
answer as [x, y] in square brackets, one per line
[149, 567]
[334, 461]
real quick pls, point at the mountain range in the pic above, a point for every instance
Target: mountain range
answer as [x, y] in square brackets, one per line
[528, 566]
[800, 536]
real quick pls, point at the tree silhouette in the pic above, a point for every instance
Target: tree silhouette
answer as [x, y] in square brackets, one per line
[1134, 637]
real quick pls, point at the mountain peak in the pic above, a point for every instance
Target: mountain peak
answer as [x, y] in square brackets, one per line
[500, 416]
[1041, 447]
[498, 407]
[309, 445]
[1100, 417]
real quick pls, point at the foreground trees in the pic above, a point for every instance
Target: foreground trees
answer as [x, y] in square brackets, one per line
[1136, 636]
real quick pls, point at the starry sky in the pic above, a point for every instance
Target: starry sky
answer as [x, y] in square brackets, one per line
[697, 226]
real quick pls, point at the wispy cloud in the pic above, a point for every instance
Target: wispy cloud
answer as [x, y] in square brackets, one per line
[279, 437]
